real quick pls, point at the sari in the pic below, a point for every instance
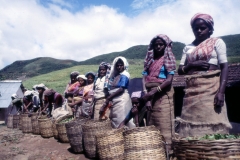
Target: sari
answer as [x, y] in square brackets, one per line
[199, 115]
[121, 104]
[162, 113]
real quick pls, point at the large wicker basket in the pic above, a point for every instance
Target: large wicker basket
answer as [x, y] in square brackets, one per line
[144, 143]
[26, 124]
[110, 145]
[10, 121]
[45, 127]
[16, 121]
[74, 133]
[90, 129]
[207, 149]
[35, 126]
[61, 129]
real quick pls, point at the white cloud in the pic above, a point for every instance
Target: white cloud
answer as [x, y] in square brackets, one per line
[29, 30]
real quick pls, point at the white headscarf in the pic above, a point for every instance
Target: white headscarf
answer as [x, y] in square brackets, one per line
[113, 69]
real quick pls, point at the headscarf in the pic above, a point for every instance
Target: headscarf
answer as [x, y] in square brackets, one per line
[204, 50]
[74, 73]
[14, 96]
[82, 76]
[206, 17]
[108, 67]
[113, 69]
[169, 58]
[49, 92]
[137, 94]
[28, 93]
[41, 85]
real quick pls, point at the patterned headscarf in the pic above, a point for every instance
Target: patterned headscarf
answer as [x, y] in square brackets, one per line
[108, 67]
[169, 58]
[206, 17]
[137, 94]
[113, 69]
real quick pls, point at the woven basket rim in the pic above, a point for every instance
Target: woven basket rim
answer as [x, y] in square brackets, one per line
[109, 132]
[92, 122]
[206, 140]
[62, 118]
[140, 129]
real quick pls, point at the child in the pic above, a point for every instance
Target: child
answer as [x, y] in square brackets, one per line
[78, 95]
[138, 111]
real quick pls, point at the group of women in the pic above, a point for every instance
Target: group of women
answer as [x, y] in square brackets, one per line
[204, 64]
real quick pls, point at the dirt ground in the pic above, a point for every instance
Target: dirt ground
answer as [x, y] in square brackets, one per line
[14, 145]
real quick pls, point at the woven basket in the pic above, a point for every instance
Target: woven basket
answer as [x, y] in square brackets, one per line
[10, 121]
[61, 129]
[26, 124]
[144, 143]
[110, 145]
[207, 149]
[45, 127]
[54, 129]
[90, 129]
[20, 122]
[74, 133]
[16, 121]
[35, 126]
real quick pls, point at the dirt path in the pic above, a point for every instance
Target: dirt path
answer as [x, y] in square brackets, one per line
[14, 145]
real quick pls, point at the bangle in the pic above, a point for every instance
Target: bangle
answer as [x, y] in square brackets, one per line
[183, 69]
[144, 90]
[159, 89]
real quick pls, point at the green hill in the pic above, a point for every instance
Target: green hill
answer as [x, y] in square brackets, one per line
[135, 55]
[34, 67]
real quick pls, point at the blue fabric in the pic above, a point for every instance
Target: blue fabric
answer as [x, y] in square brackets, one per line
[163, 73]
[123, 82]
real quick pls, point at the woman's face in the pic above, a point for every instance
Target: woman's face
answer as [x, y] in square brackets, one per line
[90, 79]
[40, 90]
[81, 81]
[135, 102]
[120, 66]
[159, 47]
[73, 78]
[201, 30]
[102, 71]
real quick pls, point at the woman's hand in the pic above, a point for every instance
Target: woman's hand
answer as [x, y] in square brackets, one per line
[200, 64]
[134, 111]
[219, 100]
[148, 96]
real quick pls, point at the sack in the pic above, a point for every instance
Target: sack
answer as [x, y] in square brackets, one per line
[60, 112]
[87, 108]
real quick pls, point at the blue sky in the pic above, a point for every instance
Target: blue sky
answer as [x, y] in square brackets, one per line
[81, 29]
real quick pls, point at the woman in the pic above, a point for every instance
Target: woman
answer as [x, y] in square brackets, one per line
[118, 93]
[88, 102]
[17, 102]
[41, 88]
[71, 86]
[100, 90]
[204, 110]
[28, 102]
[138, 111]
[159, 67]
[78, 96]
[52, 100]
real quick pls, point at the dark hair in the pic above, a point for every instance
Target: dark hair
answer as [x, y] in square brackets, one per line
[90, 73]
[154, 41]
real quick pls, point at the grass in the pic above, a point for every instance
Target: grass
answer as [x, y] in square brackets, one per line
[58, 80]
